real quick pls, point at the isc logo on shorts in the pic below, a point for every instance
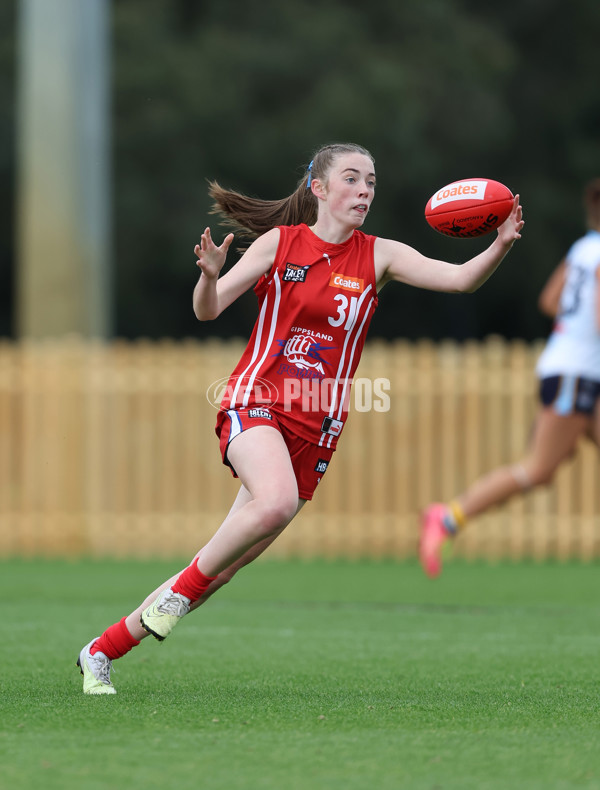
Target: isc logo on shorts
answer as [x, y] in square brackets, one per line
[260, 413]
[321, 466]
[294, 273]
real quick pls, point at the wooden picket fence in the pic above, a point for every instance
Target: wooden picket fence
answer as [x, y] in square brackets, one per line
[109, 450]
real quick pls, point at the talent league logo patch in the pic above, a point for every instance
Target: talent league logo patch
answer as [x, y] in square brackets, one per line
[347, 283]
[294, 273]
[261, 413]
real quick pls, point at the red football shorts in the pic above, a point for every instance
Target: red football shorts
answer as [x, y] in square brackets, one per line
[309, 461]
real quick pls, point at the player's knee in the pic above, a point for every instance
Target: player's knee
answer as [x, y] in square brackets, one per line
[277, 512]
[529, 475]
[541, 475]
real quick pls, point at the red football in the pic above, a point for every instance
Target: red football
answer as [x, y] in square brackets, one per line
[469, 208]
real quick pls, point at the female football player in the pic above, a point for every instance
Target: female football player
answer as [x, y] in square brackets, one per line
[316, 276]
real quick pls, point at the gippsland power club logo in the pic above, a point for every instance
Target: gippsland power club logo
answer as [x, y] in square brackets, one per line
[303, 352]
[242, 389]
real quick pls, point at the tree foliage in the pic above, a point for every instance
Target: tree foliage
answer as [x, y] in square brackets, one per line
[447, 89]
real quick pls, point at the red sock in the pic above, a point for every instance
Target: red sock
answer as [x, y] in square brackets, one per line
[192, 583]
[115, 641]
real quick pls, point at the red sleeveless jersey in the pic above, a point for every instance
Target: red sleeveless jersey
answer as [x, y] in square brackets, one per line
[316, 304]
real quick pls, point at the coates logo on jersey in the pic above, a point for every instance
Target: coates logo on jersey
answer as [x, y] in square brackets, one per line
[347, 283]
[294, 273]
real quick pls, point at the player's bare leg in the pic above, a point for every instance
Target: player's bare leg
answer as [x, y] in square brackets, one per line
[133, 620]
[266, 503]
[594, 428]
[554, 439]
[262, 462]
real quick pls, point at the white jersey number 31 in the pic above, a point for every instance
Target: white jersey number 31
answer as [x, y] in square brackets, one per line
[346, 311]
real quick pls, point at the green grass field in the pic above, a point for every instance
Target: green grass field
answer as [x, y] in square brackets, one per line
[302, 676]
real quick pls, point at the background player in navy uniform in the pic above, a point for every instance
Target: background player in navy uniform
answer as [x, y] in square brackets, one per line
[569, 374]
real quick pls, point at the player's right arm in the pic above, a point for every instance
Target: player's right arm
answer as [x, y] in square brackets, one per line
[212, 293]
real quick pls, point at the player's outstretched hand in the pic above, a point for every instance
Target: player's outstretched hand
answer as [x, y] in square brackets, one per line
[511, 228]
[211, 258]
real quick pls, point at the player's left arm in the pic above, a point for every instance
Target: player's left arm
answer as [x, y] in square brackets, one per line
[549, 298]
[402, 263]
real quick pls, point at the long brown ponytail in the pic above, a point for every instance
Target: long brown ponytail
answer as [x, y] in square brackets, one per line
[251, 217]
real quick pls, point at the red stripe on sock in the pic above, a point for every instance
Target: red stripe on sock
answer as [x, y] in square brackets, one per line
[115, 641]
[192, 583]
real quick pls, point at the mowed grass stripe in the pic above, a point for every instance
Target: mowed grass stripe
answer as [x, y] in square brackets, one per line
[308, 675]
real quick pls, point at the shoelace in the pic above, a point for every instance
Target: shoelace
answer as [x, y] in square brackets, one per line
[173, 604]
[100, 666]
